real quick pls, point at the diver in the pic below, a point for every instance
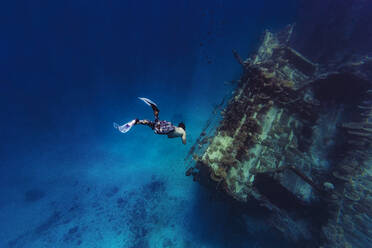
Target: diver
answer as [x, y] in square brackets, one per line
[159, 127]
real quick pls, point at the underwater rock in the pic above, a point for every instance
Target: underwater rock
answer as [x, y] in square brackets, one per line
[73, 230]
[73, 235]
[121, 202]
[112, 191]
[287, 141]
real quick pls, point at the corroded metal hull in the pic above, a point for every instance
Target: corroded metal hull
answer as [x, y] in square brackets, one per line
[295, 137]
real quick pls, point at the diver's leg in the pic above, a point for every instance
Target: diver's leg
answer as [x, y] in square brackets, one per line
[156, 111]
[145, 122]
[153, 106]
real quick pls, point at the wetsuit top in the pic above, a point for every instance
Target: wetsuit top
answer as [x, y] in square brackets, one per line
[163, 127]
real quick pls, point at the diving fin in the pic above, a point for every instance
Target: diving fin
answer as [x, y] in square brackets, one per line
[126, 127]
[148, 101]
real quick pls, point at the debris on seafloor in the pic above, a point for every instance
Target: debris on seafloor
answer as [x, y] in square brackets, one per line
[295, 137]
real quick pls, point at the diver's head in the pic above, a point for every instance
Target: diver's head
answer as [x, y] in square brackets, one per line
[182, 125]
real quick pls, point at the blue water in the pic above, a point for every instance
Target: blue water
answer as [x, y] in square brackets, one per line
[71, 68]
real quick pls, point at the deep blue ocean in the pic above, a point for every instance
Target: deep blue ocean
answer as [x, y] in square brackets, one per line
[69, 69]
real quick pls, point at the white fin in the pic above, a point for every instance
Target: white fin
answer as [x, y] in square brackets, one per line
[147, 101]
[126, 127]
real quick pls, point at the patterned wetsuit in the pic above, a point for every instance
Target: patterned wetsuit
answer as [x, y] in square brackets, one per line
[159, 127]
[163, 127]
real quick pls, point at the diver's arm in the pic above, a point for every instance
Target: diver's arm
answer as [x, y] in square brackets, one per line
[184, 138]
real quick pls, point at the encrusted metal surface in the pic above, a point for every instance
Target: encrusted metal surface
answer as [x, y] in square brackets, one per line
[295, 136]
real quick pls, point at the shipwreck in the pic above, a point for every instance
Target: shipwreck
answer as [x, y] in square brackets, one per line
[295, 137]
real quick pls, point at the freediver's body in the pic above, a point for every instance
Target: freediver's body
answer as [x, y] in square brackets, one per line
[159, 127]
